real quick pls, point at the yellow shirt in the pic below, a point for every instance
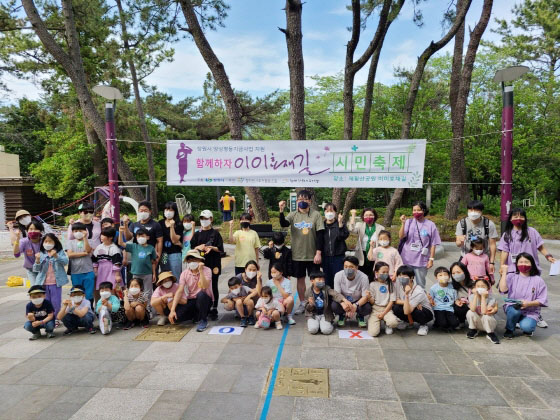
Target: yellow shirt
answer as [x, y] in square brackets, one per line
[245, 244]
[226, 201]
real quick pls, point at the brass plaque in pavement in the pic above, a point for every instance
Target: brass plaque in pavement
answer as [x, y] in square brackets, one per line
[163, 333]
[301, 382]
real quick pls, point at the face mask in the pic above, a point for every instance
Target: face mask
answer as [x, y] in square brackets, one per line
[105, 295]
[24, 221]
[518, 222]
[187, 226]
[277, 275]
[383, 277]
[134, 290]
[474, 215]
[320, 284]
[458, 277]
[169, 214]
[193, 266]
[303, 205]
[443, 280]
[480, 290]
[384, 243]
[167, 284]
[48, 246]
[478, 251]
[349, 272]
[34, 235]
[245, 225]
[250, 274]
[37, 301]
[524, 268]
[417, 215]
[205, 223]
[76, 299]
[236, 291]
[79, 235]
[404, 280]
[329, 216]
[143, 215]
[368, 220]
[142, 240]
[87, 217]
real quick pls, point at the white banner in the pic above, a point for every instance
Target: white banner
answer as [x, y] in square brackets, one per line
[293, 163]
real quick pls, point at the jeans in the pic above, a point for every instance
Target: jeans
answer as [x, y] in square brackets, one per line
[514, 316]
[362, 311]
[175, 262]
[331, 266]
[226, 215]
[49, 327]
[195, 309]
[72, 322]
[420, 276]
[32, 276]
[445, 320]
[87, 281]
[421, 316]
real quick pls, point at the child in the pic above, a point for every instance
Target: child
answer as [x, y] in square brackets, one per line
[268, 309]
[477, 261]
[188, 233]
[386, 253]
[143, 262]
[318, 309]
[162, 298]
[76, 312]
[29, 246]
[135, 302]
[49, 266]
[277, 252]
[482, 309]
[241, 297]
[40, 313]
[382, 296]
[107, 260]
[107, 305]
[247, 243]
[81, 266]
[282, 291]
[442, 297]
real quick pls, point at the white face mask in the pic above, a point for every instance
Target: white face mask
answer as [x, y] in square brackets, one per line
[169, 214]
[480, 290]
[48, 246]
[478, 251]
[105, 295]
[25, 220]
[250, 274]
[134, 290]
[187, 226]
[192, 266]
[384, 243]
[142, 240]
[329, 215]
[37, 301]
[167, 284]
[87, 217]
[474, 215]
[76, 299]
[236, 291]
[79, 235]
[143, 215]
[205, 223]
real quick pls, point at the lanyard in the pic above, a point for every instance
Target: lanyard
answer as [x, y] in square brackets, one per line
[419, 236]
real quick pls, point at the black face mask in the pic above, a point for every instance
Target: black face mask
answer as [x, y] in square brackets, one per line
[245, 225]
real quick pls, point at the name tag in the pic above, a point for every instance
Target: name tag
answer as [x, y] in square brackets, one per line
[416, 247]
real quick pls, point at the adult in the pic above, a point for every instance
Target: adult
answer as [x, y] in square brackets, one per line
[477, 226]
[517, 238]
[23, 219]
[526, 292]
[251, 278]
[354, 286]
[334, 243]
[145, 221]
[210, 244]
[368, 231]
[227, 201]
[29, 246]
[420, 237]
[86, 211]
[247, 242]
[195, 285]
[304, 224]
[462, 283]
[172, 228]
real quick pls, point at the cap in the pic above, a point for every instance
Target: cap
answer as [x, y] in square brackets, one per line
[36, 289]
[77, 289]
[164, 276]
[195, 253]
[22, 213]
[227, 192]
[206, 213]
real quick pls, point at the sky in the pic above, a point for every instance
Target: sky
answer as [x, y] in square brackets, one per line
[254, 53]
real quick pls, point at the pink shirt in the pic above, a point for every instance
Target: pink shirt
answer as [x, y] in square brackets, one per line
[160, 291]
[50, 279]
[390, 256]
[478, 265]
[190, 281]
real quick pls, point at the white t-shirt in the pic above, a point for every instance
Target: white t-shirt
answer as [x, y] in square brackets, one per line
[273, 304]
[286, 285]
[353, 289]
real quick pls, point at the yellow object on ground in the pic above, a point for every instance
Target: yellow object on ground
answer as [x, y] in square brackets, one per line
[15, 281]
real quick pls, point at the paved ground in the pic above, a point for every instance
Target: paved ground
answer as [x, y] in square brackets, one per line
[441, 376]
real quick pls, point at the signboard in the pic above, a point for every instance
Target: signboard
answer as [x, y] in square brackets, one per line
[226, 330]
[354, 334]
[289, 163]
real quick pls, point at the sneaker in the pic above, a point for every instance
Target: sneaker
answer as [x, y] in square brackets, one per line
[300, 309]
[213, 314]
[92, 330]
[388, 330]
[251, 320]
[472, 333]
[517, 326]
[68, 331]
[243, 323]
[145, 322]
[361, 322]
[162, 320]
[402, 326]
[128, 325]
[202, 325]
[459, 327]
[423, 330]
[493, 338]
[57, 324]
[34, 337]
[257, 325]
[541, 323]
[291, 320]
[508, 334]
[528, 334]
[278, 325]
[341, 321]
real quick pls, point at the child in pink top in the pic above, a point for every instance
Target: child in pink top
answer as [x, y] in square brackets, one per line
[386, 253]
[477, 261]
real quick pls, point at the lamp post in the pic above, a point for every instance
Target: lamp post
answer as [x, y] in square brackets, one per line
[502, 76]
[111, 94]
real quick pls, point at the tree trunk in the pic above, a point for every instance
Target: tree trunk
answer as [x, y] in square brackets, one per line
[413, 92]
[72, 64]
[140, 110]
[99, 164]
[231, 102]
[459, 92]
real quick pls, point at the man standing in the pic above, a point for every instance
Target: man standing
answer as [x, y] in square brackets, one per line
[227, 201]
[306, 244]
[145, 221]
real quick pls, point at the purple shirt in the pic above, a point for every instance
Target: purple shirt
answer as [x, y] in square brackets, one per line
[530, 245]
[527, 288]
[28, 249]
[419, 235]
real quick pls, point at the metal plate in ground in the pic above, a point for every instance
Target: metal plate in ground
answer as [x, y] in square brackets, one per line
[163, 333]
[300, 382]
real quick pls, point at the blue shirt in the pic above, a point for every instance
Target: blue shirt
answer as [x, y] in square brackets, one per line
[443, 297]
[113, 300]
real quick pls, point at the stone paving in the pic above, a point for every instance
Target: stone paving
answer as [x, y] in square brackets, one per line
[441, 376]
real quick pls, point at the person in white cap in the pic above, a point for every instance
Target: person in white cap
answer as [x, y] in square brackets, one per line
[227, 201]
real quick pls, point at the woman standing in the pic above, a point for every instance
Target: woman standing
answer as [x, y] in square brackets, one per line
[334, 243]
[367, 231]
[171, 256]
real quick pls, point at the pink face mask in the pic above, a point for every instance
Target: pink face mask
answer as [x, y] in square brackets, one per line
[518, 222]
[524, 268]
[368, 220]
[418, 215]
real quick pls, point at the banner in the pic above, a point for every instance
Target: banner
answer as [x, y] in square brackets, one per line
[294, 163]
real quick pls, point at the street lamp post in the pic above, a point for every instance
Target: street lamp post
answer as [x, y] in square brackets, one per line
[502, 76]
[112, 94]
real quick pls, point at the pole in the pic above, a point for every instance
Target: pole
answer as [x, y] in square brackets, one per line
[507, 154]
[114, 195]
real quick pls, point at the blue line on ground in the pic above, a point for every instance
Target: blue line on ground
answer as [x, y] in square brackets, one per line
[266, 405]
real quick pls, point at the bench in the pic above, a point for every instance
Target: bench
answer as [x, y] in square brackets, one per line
[264, 230]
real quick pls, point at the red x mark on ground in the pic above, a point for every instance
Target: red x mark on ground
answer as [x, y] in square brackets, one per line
[355, 334]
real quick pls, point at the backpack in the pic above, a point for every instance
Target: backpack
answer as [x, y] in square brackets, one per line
[485, 222]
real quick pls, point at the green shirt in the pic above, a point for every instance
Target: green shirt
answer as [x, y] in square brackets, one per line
[142, 257]
[303, 229]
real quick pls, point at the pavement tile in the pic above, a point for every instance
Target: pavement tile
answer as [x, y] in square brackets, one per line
[251, 380]
[34, 403]
[166, 351]
[549, 343]
[221, 378]
[329, 357]
[21, 370]
[361, 385]
[530, 414]
[423, 411]
[516, 393]
[211, 405]
[505, 365]
[329, 409]
[436, 340]
[370, 359]
[386, 410]
[7, 364]
[423, 361]
[18, 332]
[466, 390]
[207, 353]
[117, 404]
[193, 336]
[291, 356]
[118, 350]
[546, 389]
[170, 405]
[58, 372]
[517, 346]
[175, 376]
[247, 354]
[280, 407]
[548, 364]
[459, 363]
[22, 348]
[498, 413]
[335, 341]
[315, 340]
[412, 387]
[11, 395]
[394, 341]
[131, 375]
[103, 374]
